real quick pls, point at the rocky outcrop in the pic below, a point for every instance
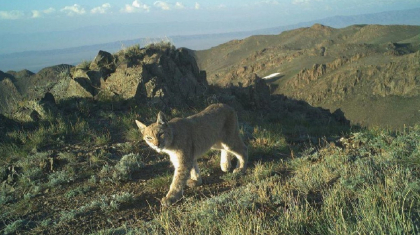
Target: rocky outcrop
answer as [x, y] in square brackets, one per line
[158, 75]
[161, 76]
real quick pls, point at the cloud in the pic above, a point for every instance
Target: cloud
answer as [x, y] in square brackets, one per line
[76, 9]
[269, 2]
[101, 9]
[136, 6]
[297, 2]
[197, 6]
[162, 5]
[11, 15]
[49, 10]
[39, 14]
[36, 14]
[15, 15]
[179, 5]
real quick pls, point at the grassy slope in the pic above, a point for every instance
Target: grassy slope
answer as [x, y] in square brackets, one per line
[83, 178]
[368, 186]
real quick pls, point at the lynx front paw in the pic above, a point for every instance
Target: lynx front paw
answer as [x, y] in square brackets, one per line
[168, 201]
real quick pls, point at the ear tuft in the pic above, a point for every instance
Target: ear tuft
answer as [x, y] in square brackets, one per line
[161, 119]
[141, 126]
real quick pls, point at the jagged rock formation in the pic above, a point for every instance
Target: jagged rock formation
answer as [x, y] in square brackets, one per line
[364, 70]
[163, 76]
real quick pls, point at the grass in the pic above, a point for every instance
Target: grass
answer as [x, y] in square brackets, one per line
[331, 191]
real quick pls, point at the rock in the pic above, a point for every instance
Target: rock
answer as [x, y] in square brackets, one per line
[124, 82]
[103, 62]
[70, 88]
[9, 96]
[35, 86]
[29, 111]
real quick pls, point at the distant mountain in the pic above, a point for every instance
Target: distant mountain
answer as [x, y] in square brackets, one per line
[401, 17]
[36, 60]
[369, 72]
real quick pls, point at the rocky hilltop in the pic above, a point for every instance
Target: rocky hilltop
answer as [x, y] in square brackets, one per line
[370, 72]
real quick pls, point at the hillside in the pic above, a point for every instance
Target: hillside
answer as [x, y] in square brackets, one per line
[370, 72]
[73, 162]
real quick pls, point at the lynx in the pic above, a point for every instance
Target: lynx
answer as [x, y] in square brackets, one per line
[186, 139]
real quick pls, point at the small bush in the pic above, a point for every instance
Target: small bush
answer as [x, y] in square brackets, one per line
[77, 191]
[69, 157]
[128, 164]
[84, 65]
[59, 177]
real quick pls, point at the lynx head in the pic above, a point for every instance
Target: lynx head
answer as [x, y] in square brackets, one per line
[157, 135]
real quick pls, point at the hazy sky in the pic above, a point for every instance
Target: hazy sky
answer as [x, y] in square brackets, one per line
[27, 19]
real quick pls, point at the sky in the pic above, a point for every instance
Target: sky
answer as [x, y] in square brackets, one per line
[25, 23]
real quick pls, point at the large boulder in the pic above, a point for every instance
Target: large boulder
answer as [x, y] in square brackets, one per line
[123, 83]
[71, 88]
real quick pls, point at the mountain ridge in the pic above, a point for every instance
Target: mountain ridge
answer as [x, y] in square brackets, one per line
[330, 68]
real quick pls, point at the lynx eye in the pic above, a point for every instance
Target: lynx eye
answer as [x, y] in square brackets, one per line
[149, 138]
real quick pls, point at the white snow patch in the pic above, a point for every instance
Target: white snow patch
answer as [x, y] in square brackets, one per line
[271, 76]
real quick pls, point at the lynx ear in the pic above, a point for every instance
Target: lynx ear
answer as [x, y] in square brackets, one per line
[141, 126]
[161, 119]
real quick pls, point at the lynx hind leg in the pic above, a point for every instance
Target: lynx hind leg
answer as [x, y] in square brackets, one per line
[195, 177]
[225, 160]
[240, 151]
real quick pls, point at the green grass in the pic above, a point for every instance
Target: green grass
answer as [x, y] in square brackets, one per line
[370, 189]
